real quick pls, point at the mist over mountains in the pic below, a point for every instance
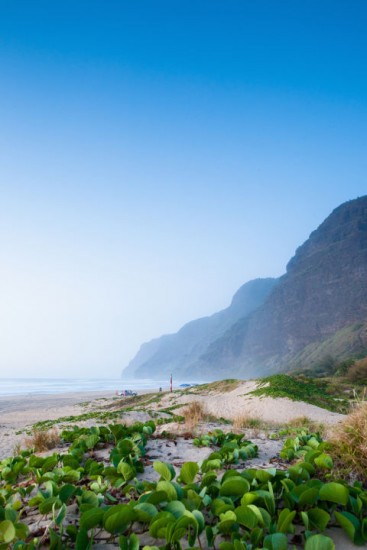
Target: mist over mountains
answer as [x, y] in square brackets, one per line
[315, 313]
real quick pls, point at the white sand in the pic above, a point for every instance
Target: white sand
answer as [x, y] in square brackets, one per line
[18, 413]
[239, 403]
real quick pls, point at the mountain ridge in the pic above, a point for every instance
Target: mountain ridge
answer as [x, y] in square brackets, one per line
[322, 293]
[183, 348]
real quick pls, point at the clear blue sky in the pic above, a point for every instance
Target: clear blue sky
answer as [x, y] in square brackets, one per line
[154, 156]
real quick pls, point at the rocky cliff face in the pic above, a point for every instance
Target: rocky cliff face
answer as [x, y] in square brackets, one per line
[323, 292]
[318, 308]
[179, 352]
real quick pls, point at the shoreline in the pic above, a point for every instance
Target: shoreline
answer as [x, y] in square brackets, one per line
[18, 413]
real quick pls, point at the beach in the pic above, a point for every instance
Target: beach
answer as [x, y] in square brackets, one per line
[223, 407]
[19, 413]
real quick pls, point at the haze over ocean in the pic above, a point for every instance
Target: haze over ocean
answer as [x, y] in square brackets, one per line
[29, 387]
[154, 156]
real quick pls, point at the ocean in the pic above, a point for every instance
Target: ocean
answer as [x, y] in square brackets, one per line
[43, 386]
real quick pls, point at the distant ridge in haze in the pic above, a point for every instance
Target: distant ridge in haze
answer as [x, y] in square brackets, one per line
[180, 351]
[317, 310]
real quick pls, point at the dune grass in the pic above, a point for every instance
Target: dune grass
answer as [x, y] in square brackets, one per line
[315, 392]
[42, 440]
[349, 443]
[222, 386]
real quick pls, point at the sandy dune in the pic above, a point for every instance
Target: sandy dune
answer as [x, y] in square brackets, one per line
[20, 413]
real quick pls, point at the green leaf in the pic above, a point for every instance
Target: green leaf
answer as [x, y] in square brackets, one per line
[66, 492]
[7, 531]
[187, 524]
[61, 515]
[10, 514]
[155, 497]
[209, 536]
[176, 508]
[83, 542]
[134, 541]
[319, 518]
[334, 492]
[309, 496]
[265, 475]
[55, 540]
[234, 486]
[189, 471]
[125, 470]
[258, 513]
[91, 441]
[145, 512]
[165, 470]
[324, 461]
[118, 518]
[168, 488]
[91, 518]
[349, 523]
[306, 521]
[46, 506]
[200, 520]
[22, 530]
[227, 520]
[129, 543]
[276, 541]
[319, 542]
[50, 463]
[159, 524]
[284, 524]
[246, 516]
[214, 464]
[226, 546]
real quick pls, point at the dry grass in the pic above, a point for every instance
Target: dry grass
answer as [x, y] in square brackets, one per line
[247, 422]
[349, 442]
[43, 440]
[193, 414]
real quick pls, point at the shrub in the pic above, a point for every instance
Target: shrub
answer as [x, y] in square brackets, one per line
[357, 373]
[42, 440]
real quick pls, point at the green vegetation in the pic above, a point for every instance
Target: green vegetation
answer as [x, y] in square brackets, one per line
[315, 392]
[95, 493]
[222, 386]
[324, 358]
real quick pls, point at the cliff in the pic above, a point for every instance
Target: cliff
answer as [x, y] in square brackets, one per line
[317, 311]
[179, 352]
[323, 293]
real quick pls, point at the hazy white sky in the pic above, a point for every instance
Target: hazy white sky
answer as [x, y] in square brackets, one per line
[151, 162]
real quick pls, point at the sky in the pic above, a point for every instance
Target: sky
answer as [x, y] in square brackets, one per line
[155, 156]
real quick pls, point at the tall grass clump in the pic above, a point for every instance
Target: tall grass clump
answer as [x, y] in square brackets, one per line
[42, 440]
[193, 414]
[349, 443]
